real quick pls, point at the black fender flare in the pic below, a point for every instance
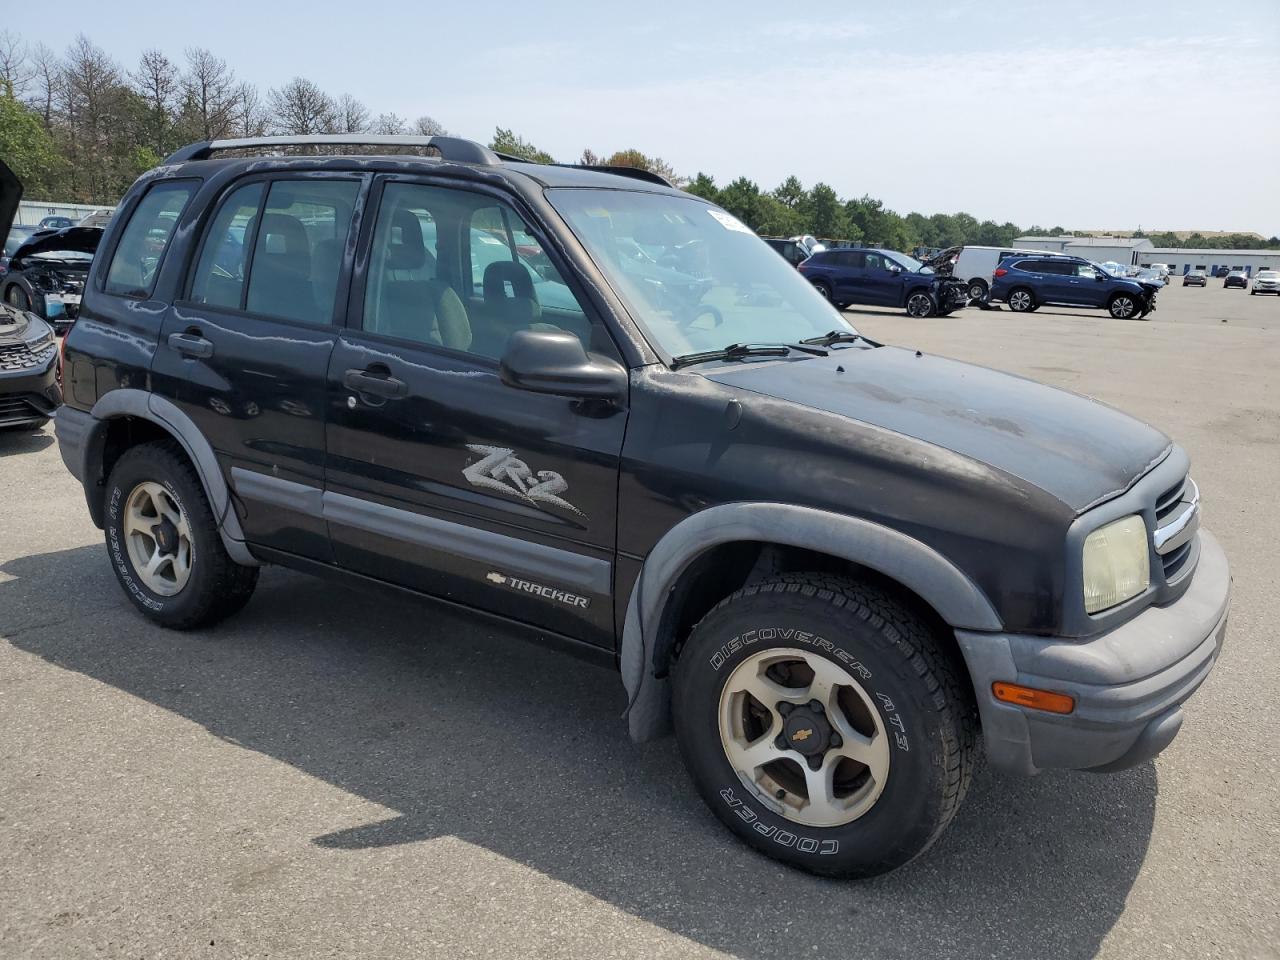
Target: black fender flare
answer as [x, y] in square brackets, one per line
[130, 402]
[915, 565]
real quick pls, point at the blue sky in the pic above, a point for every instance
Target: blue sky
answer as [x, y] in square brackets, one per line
[1084, 114]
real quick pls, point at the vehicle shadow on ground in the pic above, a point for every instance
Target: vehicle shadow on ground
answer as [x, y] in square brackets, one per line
[469, 732]
[18, 440]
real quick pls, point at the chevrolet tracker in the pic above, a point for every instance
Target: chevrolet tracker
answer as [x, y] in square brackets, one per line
[602, 409]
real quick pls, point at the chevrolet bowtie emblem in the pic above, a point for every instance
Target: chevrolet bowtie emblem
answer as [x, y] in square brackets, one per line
[802, 735]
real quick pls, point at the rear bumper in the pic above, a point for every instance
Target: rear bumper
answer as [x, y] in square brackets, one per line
[31, 395]
[1129, 684]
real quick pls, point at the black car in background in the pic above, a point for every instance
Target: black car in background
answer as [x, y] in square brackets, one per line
[46, 273]
[790, 250]
[1236, 278]
[56, 223]
[1195, 278]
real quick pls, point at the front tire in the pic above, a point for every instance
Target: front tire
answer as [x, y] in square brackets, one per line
[1124, 307]
[163, 541]
[824, 725]
[920, 303]
[17, 297]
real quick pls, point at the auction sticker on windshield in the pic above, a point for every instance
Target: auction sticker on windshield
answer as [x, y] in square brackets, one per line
[729, 222]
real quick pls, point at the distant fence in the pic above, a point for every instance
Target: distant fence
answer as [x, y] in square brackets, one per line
[31, 212]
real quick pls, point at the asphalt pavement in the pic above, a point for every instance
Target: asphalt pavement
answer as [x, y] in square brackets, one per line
[339, 774]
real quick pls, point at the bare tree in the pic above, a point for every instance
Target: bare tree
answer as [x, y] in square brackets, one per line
[352, 115]
[250, 118]
[590, 158]
[16, 68]
[429, 127]
[92, 107]
[48, 76]
[388, 124]
[157, 83]
[301, 108]
[209, 94]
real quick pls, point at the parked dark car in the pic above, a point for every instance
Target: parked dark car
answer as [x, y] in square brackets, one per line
[1221, 272]
[1027, 283]
[46, 273]
[1236, 278]
[883, 278]
[17, 237]
[790, 250]
[1195, 278]
[56, 223]
[830, 565]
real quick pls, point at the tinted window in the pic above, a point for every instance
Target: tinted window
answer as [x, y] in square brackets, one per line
[1059, 268]
[219, 276]
[297, 249]
[850, 259]
[145, 239]
[452, 268]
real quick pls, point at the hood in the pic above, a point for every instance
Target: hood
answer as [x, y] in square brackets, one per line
[1076, 449]
[10, 195]
[79, 239]
[15, 325]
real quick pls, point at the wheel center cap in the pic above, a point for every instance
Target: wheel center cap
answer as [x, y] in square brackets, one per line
[166, 535]
[807, 732]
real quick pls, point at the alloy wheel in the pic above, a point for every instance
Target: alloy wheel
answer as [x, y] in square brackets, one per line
[804, 737]
[1020, 300]
[158, 538]
[1122, 308]
[919, 305]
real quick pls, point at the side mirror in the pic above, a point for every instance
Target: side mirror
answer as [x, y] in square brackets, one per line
[1099, 276]
[553, 361]
[895, 269]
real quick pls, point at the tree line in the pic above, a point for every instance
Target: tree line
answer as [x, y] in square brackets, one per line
[79, 126]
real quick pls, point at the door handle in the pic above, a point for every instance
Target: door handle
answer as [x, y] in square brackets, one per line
[359, 381]
[191, 344]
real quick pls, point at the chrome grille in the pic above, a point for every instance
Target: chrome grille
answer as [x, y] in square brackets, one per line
[1177, 520]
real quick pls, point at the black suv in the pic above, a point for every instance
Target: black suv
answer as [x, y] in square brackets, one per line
[602, 409]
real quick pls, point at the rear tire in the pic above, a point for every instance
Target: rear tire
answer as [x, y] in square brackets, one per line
[1021, 300]
[978, 289]
[883, 688]
[822, 288]
[156, 511]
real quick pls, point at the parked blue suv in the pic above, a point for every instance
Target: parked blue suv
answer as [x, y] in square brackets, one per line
[1028, 282]
[883, 278]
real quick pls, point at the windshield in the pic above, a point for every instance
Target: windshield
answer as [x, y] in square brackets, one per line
[692, 275]
[909, 263]
[1268, 275]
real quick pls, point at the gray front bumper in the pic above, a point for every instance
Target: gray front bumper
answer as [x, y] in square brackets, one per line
[1128, 684]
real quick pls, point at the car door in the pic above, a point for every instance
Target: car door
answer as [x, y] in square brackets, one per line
[847, 276]
[882, 285]
[245, 352]
[1088, 285]
[440, 477]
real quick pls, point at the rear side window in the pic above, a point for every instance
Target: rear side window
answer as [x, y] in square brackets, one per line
[137, 256]
[849, 260]
[224, 258]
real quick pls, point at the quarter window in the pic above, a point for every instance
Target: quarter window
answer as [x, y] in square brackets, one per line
[137, 257]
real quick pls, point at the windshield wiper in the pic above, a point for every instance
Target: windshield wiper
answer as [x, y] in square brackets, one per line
[841, 336]
[736, 351]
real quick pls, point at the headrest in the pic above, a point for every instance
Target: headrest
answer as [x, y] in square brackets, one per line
[406, 251]
[498, 275]
[283, 234]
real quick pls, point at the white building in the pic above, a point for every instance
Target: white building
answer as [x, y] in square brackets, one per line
[1139, 251]
[1127, 250]
[1182, 260]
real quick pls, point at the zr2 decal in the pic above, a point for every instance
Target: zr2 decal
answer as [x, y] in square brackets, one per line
[500, 470]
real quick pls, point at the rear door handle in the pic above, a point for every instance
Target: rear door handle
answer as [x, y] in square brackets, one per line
[360, 381]
[191, 345]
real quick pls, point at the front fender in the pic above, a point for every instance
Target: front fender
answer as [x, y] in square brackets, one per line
[903, 559]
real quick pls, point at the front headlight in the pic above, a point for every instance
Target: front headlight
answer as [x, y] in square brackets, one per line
[1117, 563]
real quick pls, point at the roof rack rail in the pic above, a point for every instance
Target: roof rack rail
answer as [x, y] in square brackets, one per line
[455, 149]
[635, 173]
